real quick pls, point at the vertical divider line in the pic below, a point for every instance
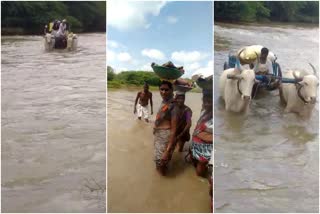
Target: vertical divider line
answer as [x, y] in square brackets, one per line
[213, 100]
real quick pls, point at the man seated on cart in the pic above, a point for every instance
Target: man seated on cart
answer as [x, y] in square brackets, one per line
[262, 61]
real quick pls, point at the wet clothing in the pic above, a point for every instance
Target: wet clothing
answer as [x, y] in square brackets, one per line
[266, 68]
[161, 140]
[161, 136]
[201, 150]
[142, 110]
[165, 111]
[61, 31]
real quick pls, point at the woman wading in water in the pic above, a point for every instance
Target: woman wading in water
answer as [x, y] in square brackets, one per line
[165, 128]
[202, 138]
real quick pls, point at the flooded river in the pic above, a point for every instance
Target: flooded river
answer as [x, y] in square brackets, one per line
[266, 161]
[53, 126]
[133, 183]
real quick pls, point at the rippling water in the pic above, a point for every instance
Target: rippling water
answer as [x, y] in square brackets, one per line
[133, 183]
[53, 126]
[266, 161]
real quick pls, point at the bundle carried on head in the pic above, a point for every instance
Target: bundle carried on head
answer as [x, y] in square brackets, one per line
[167, 71]
[181, 85]
[203, 80]
[169, 64]
[180, 93]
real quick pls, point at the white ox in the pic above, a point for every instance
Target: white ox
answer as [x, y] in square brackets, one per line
[301, 96]
[49, 42]
[236, 87]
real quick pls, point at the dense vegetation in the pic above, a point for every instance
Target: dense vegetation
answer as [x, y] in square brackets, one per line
[255, 11]
[133, 78]
[127, 79]
[29, 17]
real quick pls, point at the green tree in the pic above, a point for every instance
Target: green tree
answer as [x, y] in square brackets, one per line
[251, 11]
[110, 73]
[32, 16]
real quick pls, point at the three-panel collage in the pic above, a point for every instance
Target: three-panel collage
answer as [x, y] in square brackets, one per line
[135, 106]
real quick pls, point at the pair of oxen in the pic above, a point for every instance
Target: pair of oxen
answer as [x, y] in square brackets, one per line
[298, 96]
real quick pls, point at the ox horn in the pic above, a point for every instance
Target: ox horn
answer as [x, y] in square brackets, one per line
[314, 69]
[238, 66]
[234, 76]
[298, 79]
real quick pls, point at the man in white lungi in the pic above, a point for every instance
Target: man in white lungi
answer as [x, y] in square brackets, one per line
[142, 108]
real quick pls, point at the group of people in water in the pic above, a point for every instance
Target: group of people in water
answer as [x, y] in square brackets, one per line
[60, 30]
[172, 125]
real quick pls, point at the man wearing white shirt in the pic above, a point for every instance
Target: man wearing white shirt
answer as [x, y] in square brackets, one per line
[263, 64]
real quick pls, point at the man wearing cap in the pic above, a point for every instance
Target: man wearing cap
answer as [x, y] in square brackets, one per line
[143, 97]
[184, 120]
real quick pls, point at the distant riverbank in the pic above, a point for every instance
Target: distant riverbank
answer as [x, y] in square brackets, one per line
[17, 31]
[112, 86]
[29, 18]
[135, 80]
[267, 11]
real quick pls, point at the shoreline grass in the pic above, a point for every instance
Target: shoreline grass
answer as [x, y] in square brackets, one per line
[113, 86]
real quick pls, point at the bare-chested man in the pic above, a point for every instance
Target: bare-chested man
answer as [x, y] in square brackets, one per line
[143, 97]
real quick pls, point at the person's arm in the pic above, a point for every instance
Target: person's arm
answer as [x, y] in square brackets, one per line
[173, 130]
[188, 125]
[172, 137]
[256, 66]
[270, 67]
[135, 103]
[151, 103]
[205, 136]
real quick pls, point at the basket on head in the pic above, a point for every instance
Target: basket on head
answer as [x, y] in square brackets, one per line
[166, 73]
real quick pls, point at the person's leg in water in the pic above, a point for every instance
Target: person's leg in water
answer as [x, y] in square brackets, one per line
[160, 145]
[139, 112]
[162, 168]
[181, 145]
[201, 169]
[190, 159]
[182, 140]
[145, 112]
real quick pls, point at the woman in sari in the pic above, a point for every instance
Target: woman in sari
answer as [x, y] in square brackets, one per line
[202, 138]
[164, 129]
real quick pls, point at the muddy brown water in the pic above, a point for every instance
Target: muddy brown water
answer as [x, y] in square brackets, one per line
[133, 183]
[266, 161]
[53, 142]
